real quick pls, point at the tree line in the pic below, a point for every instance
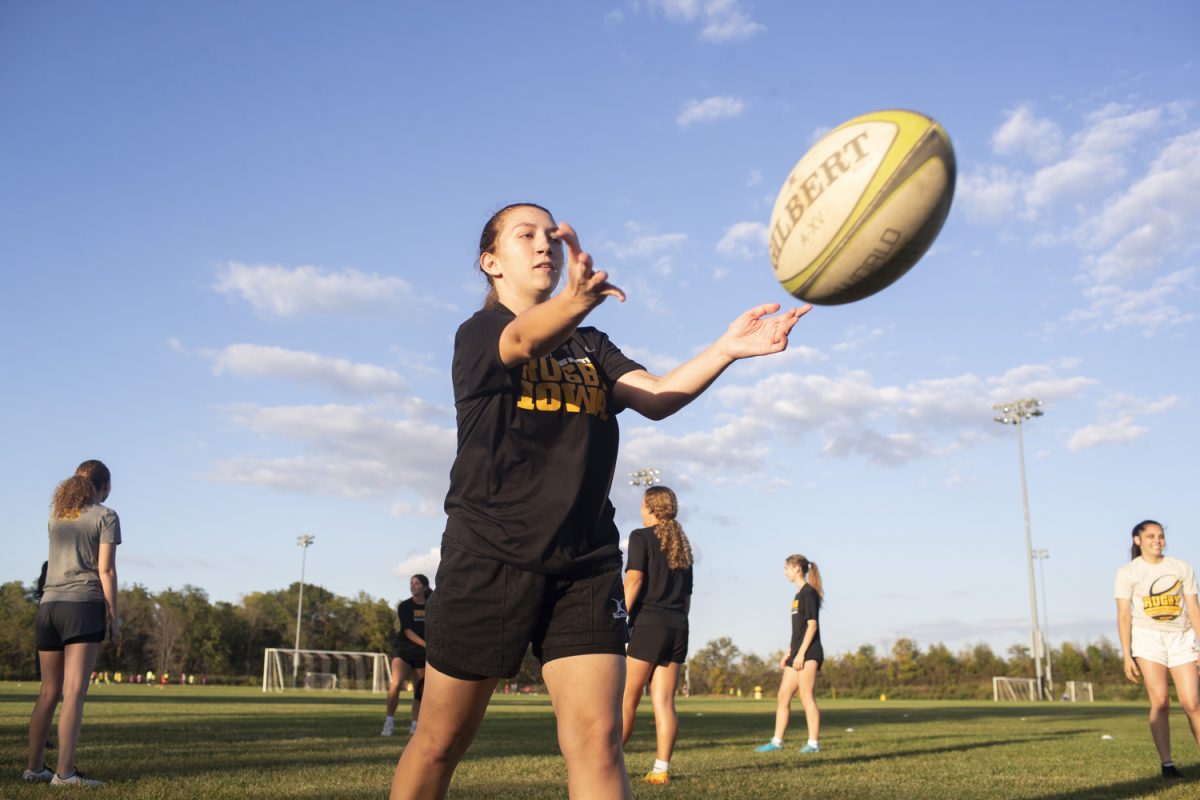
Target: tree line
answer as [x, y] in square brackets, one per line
[182, 631]
[910, 673]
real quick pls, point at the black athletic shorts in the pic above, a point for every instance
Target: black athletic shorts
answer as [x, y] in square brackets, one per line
[60, 623]
[409, 652]
[485, 613]
[657, 644]
[815, 653]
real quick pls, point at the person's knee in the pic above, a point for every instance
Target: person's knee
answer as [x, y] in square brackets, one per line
[600, 735]
[1159, 704]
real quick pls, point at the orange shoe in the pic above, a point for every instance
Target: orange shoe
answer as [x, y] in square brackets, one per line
[658, 778]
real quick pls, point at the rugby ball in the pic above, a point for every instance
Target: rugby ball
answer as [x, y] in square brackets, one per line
[862, 206]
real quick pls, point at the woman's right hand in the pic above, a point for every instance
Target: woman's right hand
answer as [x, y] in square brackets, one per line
[1131, 669]
[583, 282]
[783, 662]
[114, 627]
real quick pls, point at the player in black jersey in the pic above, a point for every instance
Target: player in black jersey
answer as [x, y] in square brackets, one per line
[408, 653]
[530, 554]
[804, 658]
[658, 594]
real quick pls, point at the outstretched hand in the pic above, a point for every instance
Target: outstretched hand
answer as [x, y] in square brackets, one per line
[585, 283]
[754, 333]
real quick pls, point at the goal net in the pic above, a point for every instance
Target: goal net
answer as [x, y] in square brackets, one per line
[284, 668]
[1079, 691]
[1014, 689]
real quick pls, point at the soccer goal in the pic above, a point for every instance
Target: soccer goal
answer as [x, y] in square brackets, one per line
[1079, 692]
[324, 669]
[1014, 689]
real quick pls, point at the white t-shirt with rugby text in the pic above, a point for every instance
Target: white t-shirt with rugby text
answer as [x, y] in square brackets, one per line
[1156, 592]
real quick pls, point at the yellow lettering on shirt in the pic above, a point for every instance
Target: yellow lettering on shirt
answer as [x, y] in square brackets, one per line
[571, 385]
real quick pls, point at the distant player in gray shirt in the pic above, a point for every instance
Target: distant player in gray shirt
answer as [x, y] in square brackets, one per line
[78, 604]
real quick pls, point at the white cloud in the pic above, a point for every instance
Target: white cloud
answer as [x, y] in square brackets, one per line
[420, 564]
[721, 21]
[989, 194]
[1111, 307]
[351, 450]
[755, 178]
[645, 245]
[280, 291]
[1096, 158]
[709, 109]
[857, 338]
[1154, 217]
[613, 18]
[258, 361]
[1119, 431]
[1123, 409]
[851, 416]
[744, 240]
[1023, 133]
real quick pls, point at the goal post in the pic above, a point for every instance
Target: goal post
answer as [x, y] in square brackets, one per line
[325, 669]
[1080, 691]
[1020, 689]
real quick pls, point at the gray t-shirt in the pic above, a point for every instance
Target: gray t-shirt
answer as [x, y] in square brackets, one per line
[74, 575]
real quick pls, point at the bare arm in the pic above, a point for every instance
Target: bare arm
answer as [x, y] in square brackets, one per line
[1125, 632]
[539, 329]
[634, 578]
[412, 637]
[108, 583]
[753, 333]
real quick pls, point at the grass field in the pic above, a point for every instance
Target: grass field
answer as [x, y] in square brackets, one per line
[209, 742]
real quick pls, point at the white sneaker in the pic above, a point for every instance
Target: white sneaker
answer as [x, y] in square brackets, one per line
[412, 728]
[42, 775]
[78, 779]
[388, 726]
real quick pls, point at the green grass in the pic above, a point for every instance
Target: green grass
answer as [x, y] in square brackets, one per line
[194, 742]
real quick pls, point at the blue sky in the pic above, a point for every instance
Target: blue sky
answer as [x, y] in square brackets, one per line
[237, 239]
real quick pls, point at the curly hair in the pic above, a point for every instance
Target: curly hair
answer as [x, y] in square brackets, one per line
[80, 490]
[661, 502]
[810, 572]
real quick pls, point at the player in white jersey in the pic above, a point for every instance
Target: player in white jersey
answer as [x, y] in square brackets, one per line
[1158, 619]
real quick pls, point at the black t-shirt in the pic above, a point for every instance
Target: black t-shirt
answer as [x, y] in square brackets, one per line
[537, 447]
[806, 605]
[665, 591]
[412, 618]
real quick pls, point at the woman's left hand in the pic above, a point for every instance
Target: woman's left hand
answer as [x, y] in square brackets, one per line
[756, 334]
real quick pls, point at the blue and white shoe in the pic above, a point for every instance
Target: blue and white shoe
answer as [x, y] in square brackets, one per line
[43, 775]
[769, 747]
[810, 748]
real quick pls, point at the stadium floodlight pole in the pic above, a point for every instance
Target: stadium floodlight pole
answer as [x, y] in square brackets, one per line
[1041, 554]
[645, 477]
[1016, 413]
[303, 543]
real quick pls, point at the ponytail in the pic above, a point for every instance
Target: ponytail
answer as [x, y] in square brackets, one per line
[662, 503]
[80, 490]
[811, 574]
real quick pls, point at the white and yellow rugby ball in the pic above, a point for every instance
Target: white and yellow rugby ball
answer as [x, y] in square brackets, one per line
[862, 206]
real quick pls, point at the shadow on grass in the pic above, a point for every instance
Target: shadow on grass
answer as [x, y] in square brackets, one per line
[775, 761]
[1120, 791]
